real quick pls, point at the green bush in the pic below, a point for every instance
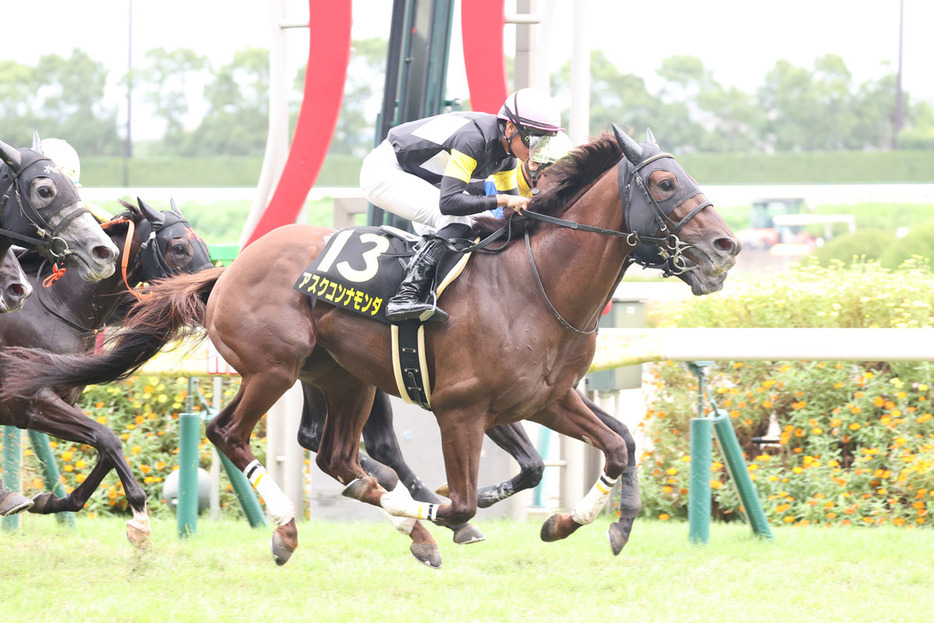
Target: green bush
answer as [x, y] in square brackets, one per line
[855, 444]
[918, 243]
[868, 244]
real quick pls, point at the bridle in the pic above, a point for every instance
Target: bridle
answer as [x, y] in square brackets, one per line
[653, 233]
[48, 239]
[663, 250]
[149, 263]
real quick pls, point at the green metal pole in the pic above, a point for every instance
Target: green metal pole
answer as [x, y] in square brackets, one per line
[544, 442]
[245, 493]
[189, 432]
[699, 487]
[249, 501]
[50, 473]
[12, 449]
[701, 449]
[739, 474]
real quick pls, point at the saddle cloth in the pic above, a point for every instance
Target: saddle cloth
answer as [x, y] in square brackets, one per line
[359, 270]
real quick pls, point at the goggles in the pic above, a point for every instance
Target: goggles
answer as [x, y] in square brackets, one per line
[535, 142]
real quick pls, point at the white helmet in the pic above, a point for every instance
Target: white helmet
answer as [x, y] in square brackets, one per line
[64, 156]
[532, 110]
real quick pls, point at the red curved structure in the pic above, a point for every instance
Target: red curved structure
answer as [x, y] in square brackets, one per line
[484, 59]
[328, 56]
[329, 26]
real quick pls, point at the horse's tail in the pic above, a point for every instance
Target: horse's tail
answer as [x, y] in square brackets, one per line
[170, 309]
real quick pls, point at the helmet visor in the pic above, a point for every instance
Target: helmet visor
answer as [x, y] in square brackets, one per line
[536, 143]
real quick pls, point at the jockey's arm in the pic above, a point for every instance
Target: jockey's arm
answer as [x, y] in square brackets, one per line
[457, 176]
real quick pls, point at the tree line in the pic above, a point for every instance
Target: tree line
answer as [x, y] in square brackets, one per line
[207, 111]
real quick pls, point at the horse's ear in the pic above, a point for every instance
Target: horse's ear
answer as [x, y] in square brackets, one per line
[11, 156]
[152, 215]
[650, 138]
[175, 207]
[631, 149]
[36, 141]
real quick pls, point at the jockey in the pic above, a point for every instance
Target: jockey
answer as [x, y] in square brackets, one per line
[66, 159]
[528, 174]
[423, 168]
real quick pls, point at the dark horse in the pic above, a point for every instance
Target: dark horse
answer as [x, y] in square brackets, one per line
[14, 286]
[382, 446]
[521, 333]
[40, 209]
[65, 316]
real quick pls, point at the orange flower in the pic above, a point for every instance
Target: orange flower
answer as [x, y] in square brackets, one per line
[664, 517]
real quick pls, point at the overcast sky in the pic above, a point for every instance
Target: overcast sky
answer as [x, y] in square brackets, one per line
[738, 40]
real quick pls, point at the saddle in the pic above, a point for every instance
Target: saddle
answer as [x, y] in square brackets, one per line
[359, 270]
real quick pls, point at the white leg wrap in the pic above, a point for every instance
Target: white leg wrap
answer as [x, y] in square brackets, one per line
[586, 510]
[405, 525]
[279, 507]
[399, 502]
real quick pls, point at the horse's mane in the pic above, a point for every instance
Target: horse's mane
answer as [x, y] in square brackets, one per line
[566, 180]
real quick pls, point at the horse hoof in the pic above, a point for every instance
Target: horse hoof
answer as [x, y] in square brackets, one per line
[281, 552]
[550, 529]
[466, 534]
[443, 490]
[13, 503]
[618, 538]
[138, 536]
[427, 553]
[558, 526]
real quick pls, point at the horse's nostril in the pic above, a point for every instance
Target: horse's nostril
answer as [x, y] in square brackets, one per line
[727, 246]
[17, 290]
[103, 253]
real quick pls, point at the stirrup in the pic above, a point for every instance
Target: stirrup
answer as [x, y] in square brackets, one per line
[424, 312]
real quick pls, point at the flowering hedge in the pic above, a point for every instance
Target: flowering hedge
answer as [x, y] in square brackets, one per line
[143, 412]
[855, 440]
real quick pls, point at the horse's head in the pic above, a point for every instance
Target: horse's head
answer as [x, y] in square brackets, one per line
[14, 285]
[673, 221]
[170, 245]
[41, 207]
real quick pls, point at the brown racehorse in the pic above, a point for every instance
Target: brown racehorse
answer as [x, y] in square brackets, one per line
[521, 333]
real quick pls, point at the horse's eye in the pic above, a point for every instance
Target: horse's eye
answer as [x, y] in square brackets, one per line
[179, 249]
[46, 192]
[667, 185]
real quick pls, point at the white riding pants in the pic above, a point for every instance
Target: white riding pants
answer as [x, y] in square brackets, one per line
[388, 187]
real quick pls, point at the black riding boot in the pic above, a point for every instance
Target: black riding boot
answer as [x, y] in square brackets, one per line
[412, 299]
